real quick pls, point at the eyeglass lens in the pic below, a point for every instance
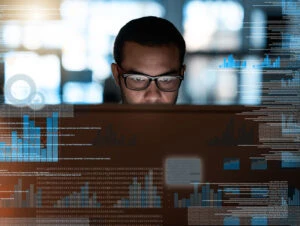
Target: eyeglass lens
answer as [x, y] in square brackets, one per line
[139, 82]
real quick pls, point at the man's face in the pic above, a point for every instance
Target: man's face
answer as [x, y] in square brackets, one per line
[149, 60]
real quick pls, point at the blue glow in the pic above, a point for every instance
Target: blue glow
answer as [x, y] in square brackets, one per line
[231, 164]
[232, 63]
[202, 198]
[231, 221]
[268, 64]
[28, 148]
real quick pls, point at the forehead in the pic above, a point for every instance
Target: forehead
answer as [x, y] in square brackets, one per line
[150, 59]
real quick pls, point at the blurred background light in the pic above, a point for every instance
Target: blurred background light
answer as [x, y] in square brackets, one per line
[70, 42]
[213, 25]
[83, 93]
[44, 70]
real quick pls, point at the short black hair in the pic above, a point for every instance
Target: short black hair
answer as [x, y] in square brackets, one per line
[149, 31]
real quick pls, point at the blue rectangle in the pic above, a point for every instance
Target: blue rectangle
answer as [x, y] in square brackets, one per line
[176, 200]
[7, 154]
[230, 221]
[25, 138]
[2, 151]
[49, 140]
[259, 221]
[31, 140]
[290, 160]
[158, 202]
[38, 144]
[259, 164]
[231, 164]
[55, 136]
[20, 151]
[44, 155]
[14, 145]
[219, 198]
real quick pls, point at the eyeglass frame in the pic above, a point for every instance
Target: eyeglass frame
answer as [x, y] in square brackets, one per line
[150, 79]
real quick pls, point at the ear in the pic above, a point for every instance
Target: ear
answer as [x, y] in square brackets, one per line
[183, 69]
[115, 72]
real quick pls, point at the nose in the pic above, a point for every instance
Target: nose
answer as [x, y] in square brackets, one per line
[152, 94]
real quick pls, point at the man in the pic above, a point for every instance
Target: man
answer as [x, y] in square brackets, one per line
[149, 54]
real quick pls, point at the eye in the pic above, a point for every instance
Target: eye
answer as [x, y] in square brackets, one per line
[137, 78]
[167, 79]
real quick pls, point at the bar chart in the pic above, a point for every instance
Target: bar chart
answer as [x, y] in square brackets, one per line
[79, 199]
[294, 199]
[139, 197]
[232, 63]
[16, 200]
[207, 198]
[27, 147]
[267, 63]
[291, 82]
[290, 7]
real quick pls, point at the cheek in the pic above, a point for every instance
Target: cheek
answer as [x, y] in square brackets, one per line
[132, 96]
[169, 95]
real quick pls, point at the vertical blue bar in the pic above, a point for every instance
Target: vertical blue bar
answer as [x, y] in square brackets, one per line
[67, 199]
[38, 144]
[146, 190]
[283, 6]
[55, 136]
[127, 205]
[158, 201]
[188, 203]
[176, 200]
[205, 191]
[7, 153]
[203, 195]
[196, 201]
[82, 196]
[31, 140]
[219, 197]
[25, 137]
[20, 150]
[2, 151]
[49, 140]
[39, 191]
[14, 146]
[44, 155]
[135, 188]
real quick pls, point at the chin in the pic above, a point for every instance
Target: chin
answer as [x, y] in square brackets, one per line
[149, 102]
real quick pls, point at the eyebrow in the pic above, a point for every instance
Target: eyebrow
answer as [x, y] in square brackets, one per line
[141, 73]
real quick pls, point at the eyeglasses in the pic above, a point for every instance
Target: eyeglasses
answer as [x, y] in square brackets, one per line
[166, 83]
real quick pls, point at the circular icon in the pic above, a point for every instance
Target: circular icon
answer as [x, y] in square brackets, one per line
[37, 102]
[19, 90]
